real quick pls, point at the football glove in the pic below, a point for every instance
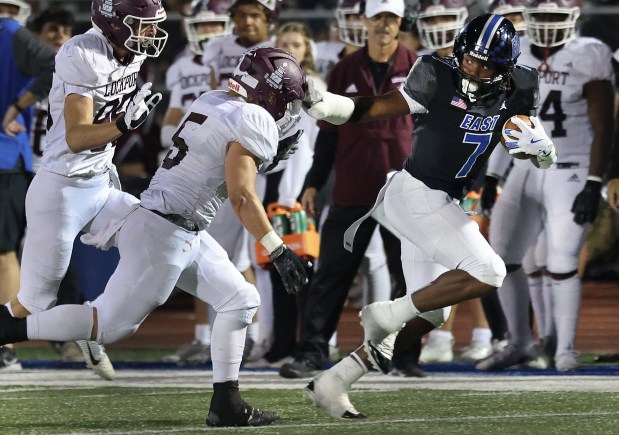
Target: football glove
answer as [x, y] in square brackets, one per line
[585, 207]
[290, 268]
[488, 194]
[138, 109]
[532, 140]
[333, 108]
[285, 148]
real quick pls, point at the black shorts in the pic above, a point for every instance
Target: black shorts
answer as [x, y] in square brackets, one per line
[13, 187]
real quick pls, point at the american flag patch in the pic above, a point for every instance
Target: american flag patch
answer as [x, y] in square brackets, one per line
[459, 103]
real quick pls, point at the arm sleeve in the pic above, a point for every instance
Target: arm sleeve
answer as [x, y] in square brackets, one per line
[420, 86]
[34, 59]
[324, 156]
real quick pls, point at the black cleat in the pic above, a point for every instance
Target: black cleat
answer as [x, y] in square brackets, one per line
[249, 416]
[298, 369]
[229, 409]
[12, 329]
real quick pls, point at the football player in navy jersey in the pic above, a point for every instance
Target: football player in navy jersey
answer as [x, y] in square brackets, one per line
[460, 105]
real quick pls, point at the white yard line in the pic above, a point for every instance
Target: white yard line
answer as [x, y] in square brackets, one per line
[190, 379]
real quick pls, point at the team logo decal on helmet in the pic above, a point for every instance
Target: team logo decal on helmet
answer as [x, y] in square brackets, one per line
[551, 23]
[492, 39]
[126, 24]
[23, 11]
[272, 78]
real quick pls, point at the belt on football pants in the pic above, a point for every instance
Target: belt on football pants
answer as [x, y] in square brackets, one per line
[177, 219]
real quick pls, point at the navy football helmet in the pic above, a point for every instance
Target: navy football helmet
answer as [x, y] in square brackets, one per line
[273, 79]
[122, 21]
[493, 40]
[513, 10]
[551, 23]
[23, 10]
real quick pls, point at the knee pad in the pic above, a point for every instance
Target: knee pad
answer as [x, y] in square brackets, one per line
[436, 317]
[246, 299]
[491, 272]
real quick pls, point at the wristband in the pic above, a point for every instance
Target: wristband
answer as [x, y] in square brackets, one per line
[594, 178]
[121, 125]
[18, 107]
[271, 241]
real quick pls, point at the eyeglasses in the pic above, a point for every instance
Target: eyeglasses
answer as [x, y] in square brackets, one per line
[387, 17]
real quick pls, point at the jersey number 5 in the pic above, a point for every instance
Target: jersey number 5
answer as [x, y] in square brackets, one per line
[180, 148]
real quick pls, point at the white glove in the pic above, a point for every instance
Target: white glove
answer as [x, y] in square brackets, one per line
[138, 109]
[531, 140]
[332, 108]
[545, 162]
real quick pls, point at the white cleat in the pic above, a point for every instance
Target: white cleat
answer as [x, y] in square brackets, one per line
[377, 322]
[96, 359]
[476, 351]
[329, 392]
[380, 355]
[438, 350]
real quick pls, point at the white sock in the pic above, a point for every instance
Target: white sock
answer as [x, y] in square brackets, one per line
[514, 298]
[265, 310]
[536, 291]
[441, 335]
[227, 344]
[202, 333]
[482, 335]
[566, 297]
[403, 309]
[549, 323]
[350, 369]
[61, 323]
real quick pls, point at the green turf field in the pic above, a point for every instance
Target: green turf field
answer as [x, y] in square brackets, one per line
[175, 410]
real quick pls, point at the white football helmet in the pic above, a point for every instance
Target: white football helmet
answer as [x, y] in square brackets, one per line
[551, 23]
[351, 28]
[23, 11]
[206, 12]
[438, 22]
[510, 7]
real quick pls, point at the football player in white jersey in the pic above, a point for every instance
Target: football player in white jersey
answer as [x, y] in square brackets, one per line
[187, 79]
[253, 21]
[352, 36]
[93, 101]
[218, 147]
[576, 107]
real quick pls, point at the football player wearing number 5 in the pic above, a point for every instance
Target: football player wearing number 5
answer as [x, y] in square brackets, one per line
[219, 146]
[460, 105]
[576, 109]
[93, 101]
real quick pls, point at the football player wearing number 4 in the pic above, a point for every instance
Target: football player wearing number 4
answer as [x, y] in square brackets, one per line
[460, 105]
[576, 108]
[218, 148]
[93, 101]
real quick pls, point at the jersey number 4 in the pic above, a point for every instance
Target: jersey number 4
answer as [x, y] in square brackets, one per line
[180, 148]
[557, 116]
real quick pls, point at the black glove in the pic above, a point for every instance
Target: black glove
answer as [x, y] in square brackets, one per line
[586, 204]
[285, 148]
[138, 109]
[488, 194]
[290, 267]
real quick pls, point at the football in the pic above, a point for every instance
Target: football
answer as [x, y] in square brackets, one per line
[511, 125]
